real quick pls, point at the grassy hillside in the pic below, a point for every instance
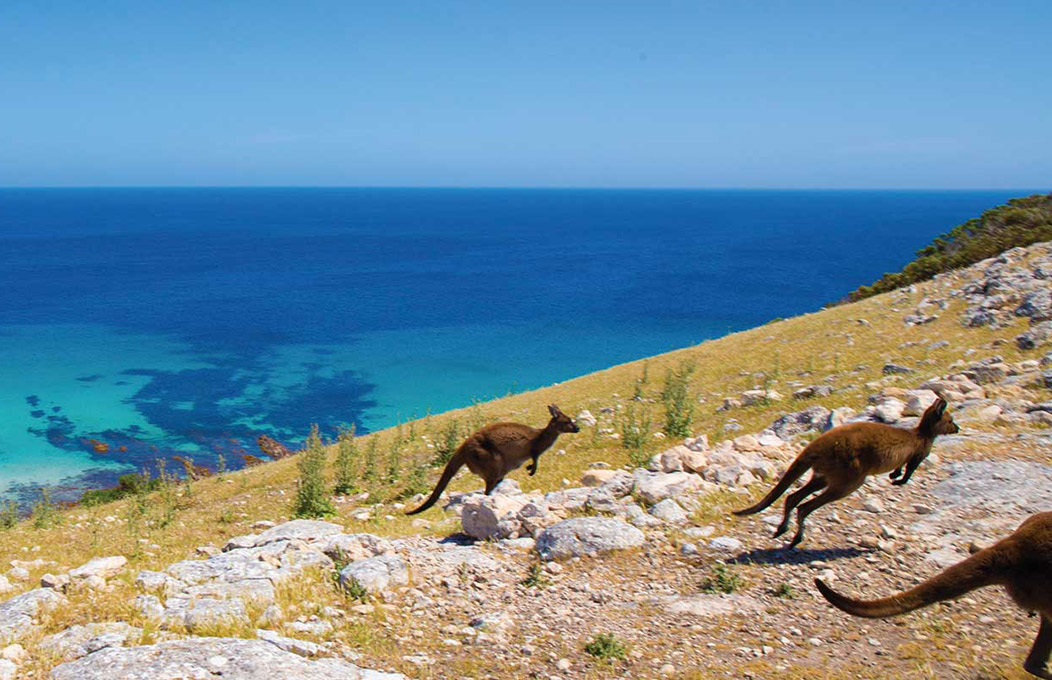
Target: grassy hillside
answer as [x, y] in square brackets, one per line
[1020, 222]
[845, 347]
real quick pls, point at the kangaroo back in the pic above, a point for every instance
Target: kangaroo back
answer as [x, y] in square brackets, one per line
[977, 571]
[451, 469]
[796, 470]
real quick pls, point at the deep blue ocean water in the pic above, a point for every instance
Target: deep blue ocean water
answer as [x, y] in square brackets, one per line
[191, 320]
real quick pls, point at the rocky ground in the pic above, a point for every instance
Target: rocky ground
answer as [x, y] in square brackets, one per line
[652, 556]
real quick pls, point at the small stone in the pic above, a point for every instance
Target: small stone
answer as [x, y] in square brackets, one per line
[58, 582]
[668, 669]
[873, 505]
[18, 573]
[563, 664]
[725, 543]
[14, 653]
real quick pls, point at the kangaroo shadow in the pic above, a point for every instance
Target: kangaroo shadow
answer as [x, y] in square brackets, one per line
[795, 556]
[459, 539]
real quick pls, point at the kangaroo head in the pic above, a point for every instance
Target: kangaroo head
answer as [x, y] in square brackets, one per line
[936, 420]
[560, 421]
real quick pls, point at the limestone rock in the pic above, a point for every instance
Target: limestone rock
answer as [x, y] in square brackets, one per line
[351, 547]
[303, 648]
[306, 530]
[706, 605]
[654, 487]
[492, 516]
[593, 478]
[103, 567]
[230, 658]
[18, 615]
[799, 422]
[669, 511]
[376, 574]
[586, 536]
[81, 640]
[585, 419]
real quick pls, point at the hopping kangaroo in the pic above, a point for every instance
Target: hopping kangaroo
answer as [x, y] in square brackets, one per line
[497, 449]
[1022, 563]
[842, 458]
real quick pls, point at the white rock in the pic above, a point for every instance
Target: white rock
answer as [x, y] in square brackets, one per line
[655, 487]
[669, 511]
[586, 536]
[874, 505]
[918, 401]
[102, 567]
[725, 543]
[493, 516]
[593, 478]
[15, 653]
[376, 574]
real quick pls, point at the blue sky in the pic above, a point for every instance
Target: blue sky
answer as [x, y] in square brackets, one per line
[454, 93]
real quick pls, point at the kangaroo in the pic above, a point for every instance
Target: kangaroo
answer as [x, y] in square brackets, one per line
[842, 458]
[497, 449]
[1021, 563]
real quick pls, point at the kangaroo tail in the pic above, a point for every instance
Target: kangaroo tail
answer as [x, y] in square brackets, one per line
[975, 572]
[452, 467]
[796, 470]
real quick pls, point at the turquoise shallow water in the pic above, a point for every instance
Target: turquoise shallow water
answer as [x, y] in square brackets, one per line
[164, 321]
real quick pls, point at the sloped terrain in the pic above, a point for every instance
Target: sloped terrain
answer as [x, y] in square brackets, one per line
[635, 542]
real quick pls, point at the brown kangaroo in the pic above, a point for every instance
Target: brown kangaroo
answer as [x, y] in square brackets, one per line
[842, 458]
[497, 449]
[1022, 563]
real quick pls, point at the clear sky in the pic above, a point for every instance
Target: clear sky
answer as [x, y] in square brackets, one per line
[928, 93]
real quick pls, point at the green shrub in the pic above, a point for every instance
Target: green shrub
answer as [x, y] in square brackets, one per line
[346, 460]
[416, 482]
[606, 646]
[8, 514]
[641, 383]
[127, 485]
[536, 578]
[45, 513]
[369, 465]
[312, 501]
[447, 443]
[679, 407]
[1020, 222]
[394, 461]
[634, 422]
[723, 580]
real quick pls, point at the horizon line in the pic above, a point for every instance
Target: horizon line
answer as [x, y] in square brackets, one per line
[506, 187]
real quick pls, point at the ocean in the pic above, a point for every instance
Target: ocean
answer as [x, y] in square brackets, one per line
[157, 321]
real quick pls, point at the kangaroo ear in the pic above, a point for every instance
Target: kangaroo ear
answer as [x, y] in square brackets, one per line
[554, 410]
[937, 408]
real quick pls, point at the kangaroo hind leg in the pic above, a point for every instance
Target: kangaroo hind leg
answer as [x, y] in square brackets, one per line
[814, 484]
[831, 494]
[1037, 662]
[492, 484]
